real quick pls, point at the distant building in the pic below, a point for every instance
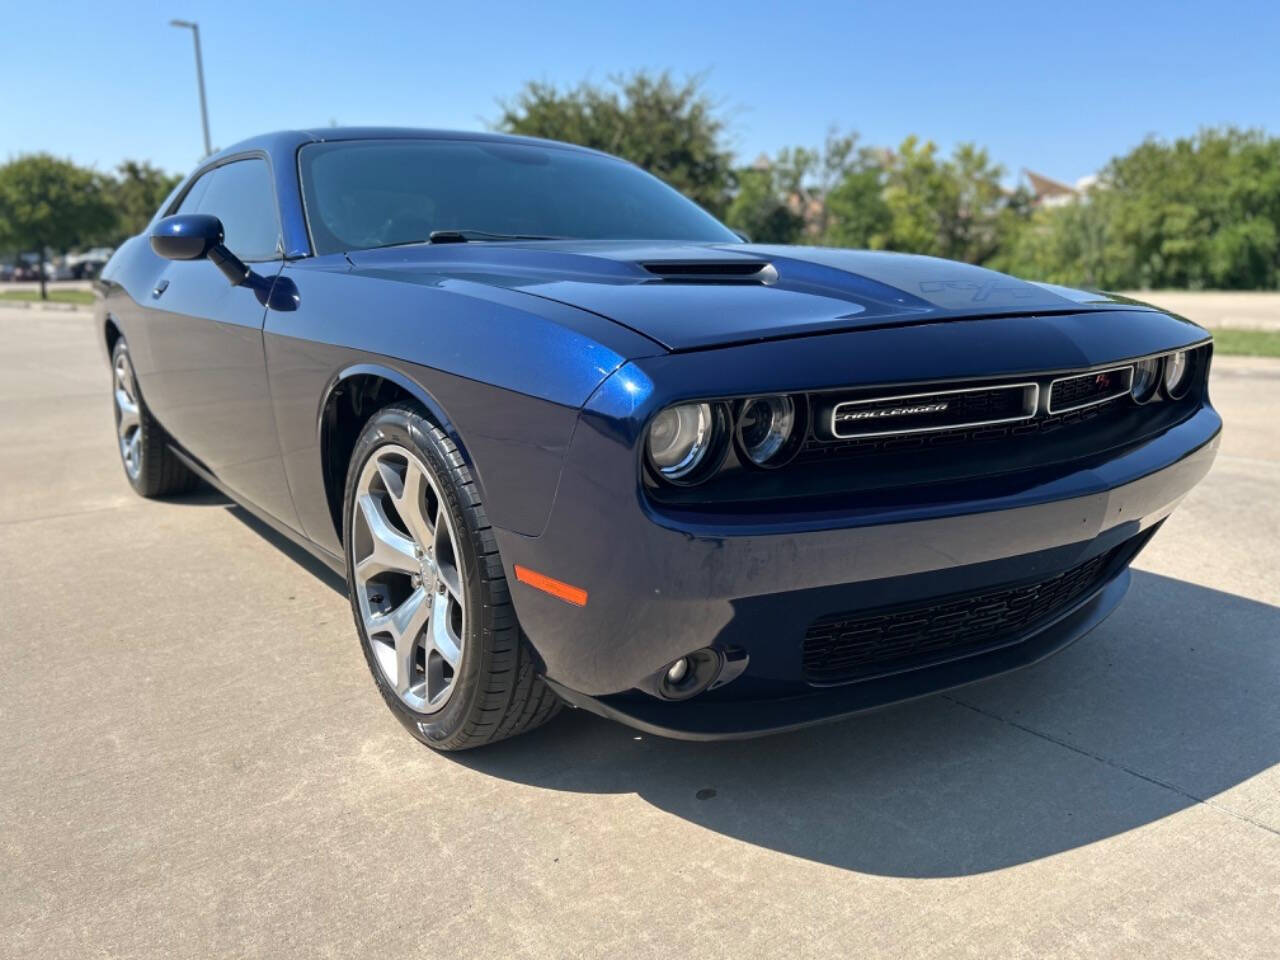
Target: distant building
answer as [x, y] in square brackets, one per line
[1047, 192]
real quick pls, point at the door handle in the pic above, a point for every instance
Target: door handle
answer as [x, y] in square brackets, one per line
[161, 287]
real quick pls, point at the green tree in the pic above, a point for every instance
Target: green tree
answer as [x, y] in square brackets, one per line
[136, 192]
[1070, 244]
[47, 203]
[760, 210]
[829, 195]
[807, 176]
[915, 191]
[856, 212]
[1202, 211]
[954, 208]
[671, 129]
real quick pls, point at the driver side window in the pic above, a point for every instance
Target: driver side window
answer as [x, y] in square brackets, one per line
[241, 196]
[191, 202]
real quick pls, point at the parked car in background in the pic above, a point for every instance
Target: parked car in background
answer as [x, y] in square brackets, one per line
[568, 437]
[27, 268]
[91, 262]
[83, 265]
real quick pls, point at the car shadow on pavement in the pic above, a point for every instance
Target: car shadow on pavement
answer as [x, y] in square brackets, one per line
[1171, 702]
[202, 496]
[299, 555]
[205, 495]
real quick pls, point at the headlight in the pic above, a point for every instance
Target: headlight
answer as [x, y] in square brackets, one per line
[1177, 373]
[684, 440]
[1146, 377]
[770, 430]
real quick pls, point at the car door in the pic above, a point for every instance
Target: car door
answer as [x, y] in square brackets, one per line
[206, 373]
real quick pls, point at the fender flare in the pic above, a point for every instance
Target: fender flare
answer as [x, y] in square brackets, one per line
[435, 411]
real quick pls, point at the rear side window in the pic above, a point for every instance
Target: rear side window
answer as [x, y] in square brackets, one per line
[240, 195]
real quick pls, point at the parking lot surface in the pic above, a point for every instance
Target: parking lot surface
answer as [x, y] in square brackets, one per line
[1241, 309]
[195, 762]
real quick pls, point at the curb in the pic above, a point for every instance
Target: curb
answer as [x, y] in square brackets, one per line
[46, 307]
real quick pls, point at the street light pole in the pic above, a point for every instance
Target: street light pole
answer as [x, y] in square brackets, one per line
[204, 110]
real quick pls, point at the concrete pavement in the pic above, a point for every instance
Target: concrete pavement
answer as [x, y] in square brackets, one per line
[195, 763]
[1239, 309]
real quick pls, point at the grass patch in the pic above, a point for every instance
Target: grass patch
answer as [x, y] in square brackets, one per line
[55, 296]
[1247, 343]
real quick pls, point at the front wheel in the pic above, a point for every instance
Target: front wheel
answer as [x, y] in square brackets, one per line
[150, 466]
[428, 592]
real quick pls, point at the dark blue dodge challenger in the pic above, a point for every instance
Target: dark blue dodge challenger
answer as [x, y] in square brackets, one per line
[570, 439]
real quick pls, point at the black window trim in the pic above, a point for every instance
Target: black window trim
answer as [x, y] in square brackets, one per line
[275, 196]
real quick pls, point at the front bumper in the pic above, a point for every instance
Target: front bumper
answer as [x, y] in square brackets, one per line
[710, 718]
[659, 588]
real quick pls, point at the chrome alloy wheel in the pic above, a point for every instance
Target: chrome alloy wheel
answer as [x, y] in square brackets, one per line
[128, 421]
[408, 580]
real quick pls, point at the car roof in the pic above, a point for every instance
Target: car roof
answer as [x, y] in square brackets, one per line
[288, 141]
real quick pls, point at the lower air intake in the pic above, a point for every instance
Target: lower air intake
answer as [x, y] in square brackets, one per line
[839, 648]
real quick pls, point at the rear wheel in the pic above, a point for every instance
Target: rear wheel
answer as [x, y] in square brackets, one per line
[428, 592]
[150, 466]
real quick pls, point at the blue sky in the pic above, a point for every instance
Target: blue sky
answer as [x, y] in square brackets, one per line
[1058, 88]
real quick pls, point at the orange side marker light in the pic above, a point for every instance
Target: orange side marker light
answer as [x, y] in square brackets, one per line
[557, 588]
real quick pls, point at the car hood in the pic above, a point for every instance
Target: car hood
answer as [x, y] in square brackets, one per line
[693, 296]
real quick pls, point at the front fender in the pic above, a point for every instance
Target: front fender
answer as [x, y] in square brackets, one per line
[505, 377]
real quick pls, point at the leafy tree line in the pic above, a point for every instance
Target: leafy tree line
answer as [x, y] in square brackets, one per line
[47, 203]
[1200, 212]
[672, 130]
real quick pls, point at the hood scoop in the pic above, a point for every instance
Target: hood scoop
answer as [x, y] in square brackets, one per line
[734, 272]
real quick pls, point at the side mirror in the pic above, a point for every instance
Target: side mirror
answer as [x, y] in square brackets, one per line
[197, 236]
[186, 236]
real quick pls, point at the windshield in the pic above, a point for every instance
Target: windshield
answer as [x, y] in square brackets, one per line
[375, 193]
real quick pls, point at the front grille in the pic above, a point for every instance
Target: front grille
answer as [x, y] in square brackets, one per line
[920, 412]
[851, 646]
[993, 439]
[816, 450]
[1087, 389]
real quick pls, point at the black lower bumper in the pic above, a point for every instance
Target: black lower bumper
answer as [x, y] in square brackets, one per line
[717, 719]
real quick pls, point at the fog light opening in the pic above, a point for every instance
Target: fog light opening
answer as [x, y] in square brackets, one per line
[689, 675]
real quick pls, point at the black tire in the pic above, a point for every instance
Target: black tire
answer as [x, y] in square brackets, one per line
[499, 693]
[160, 473]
